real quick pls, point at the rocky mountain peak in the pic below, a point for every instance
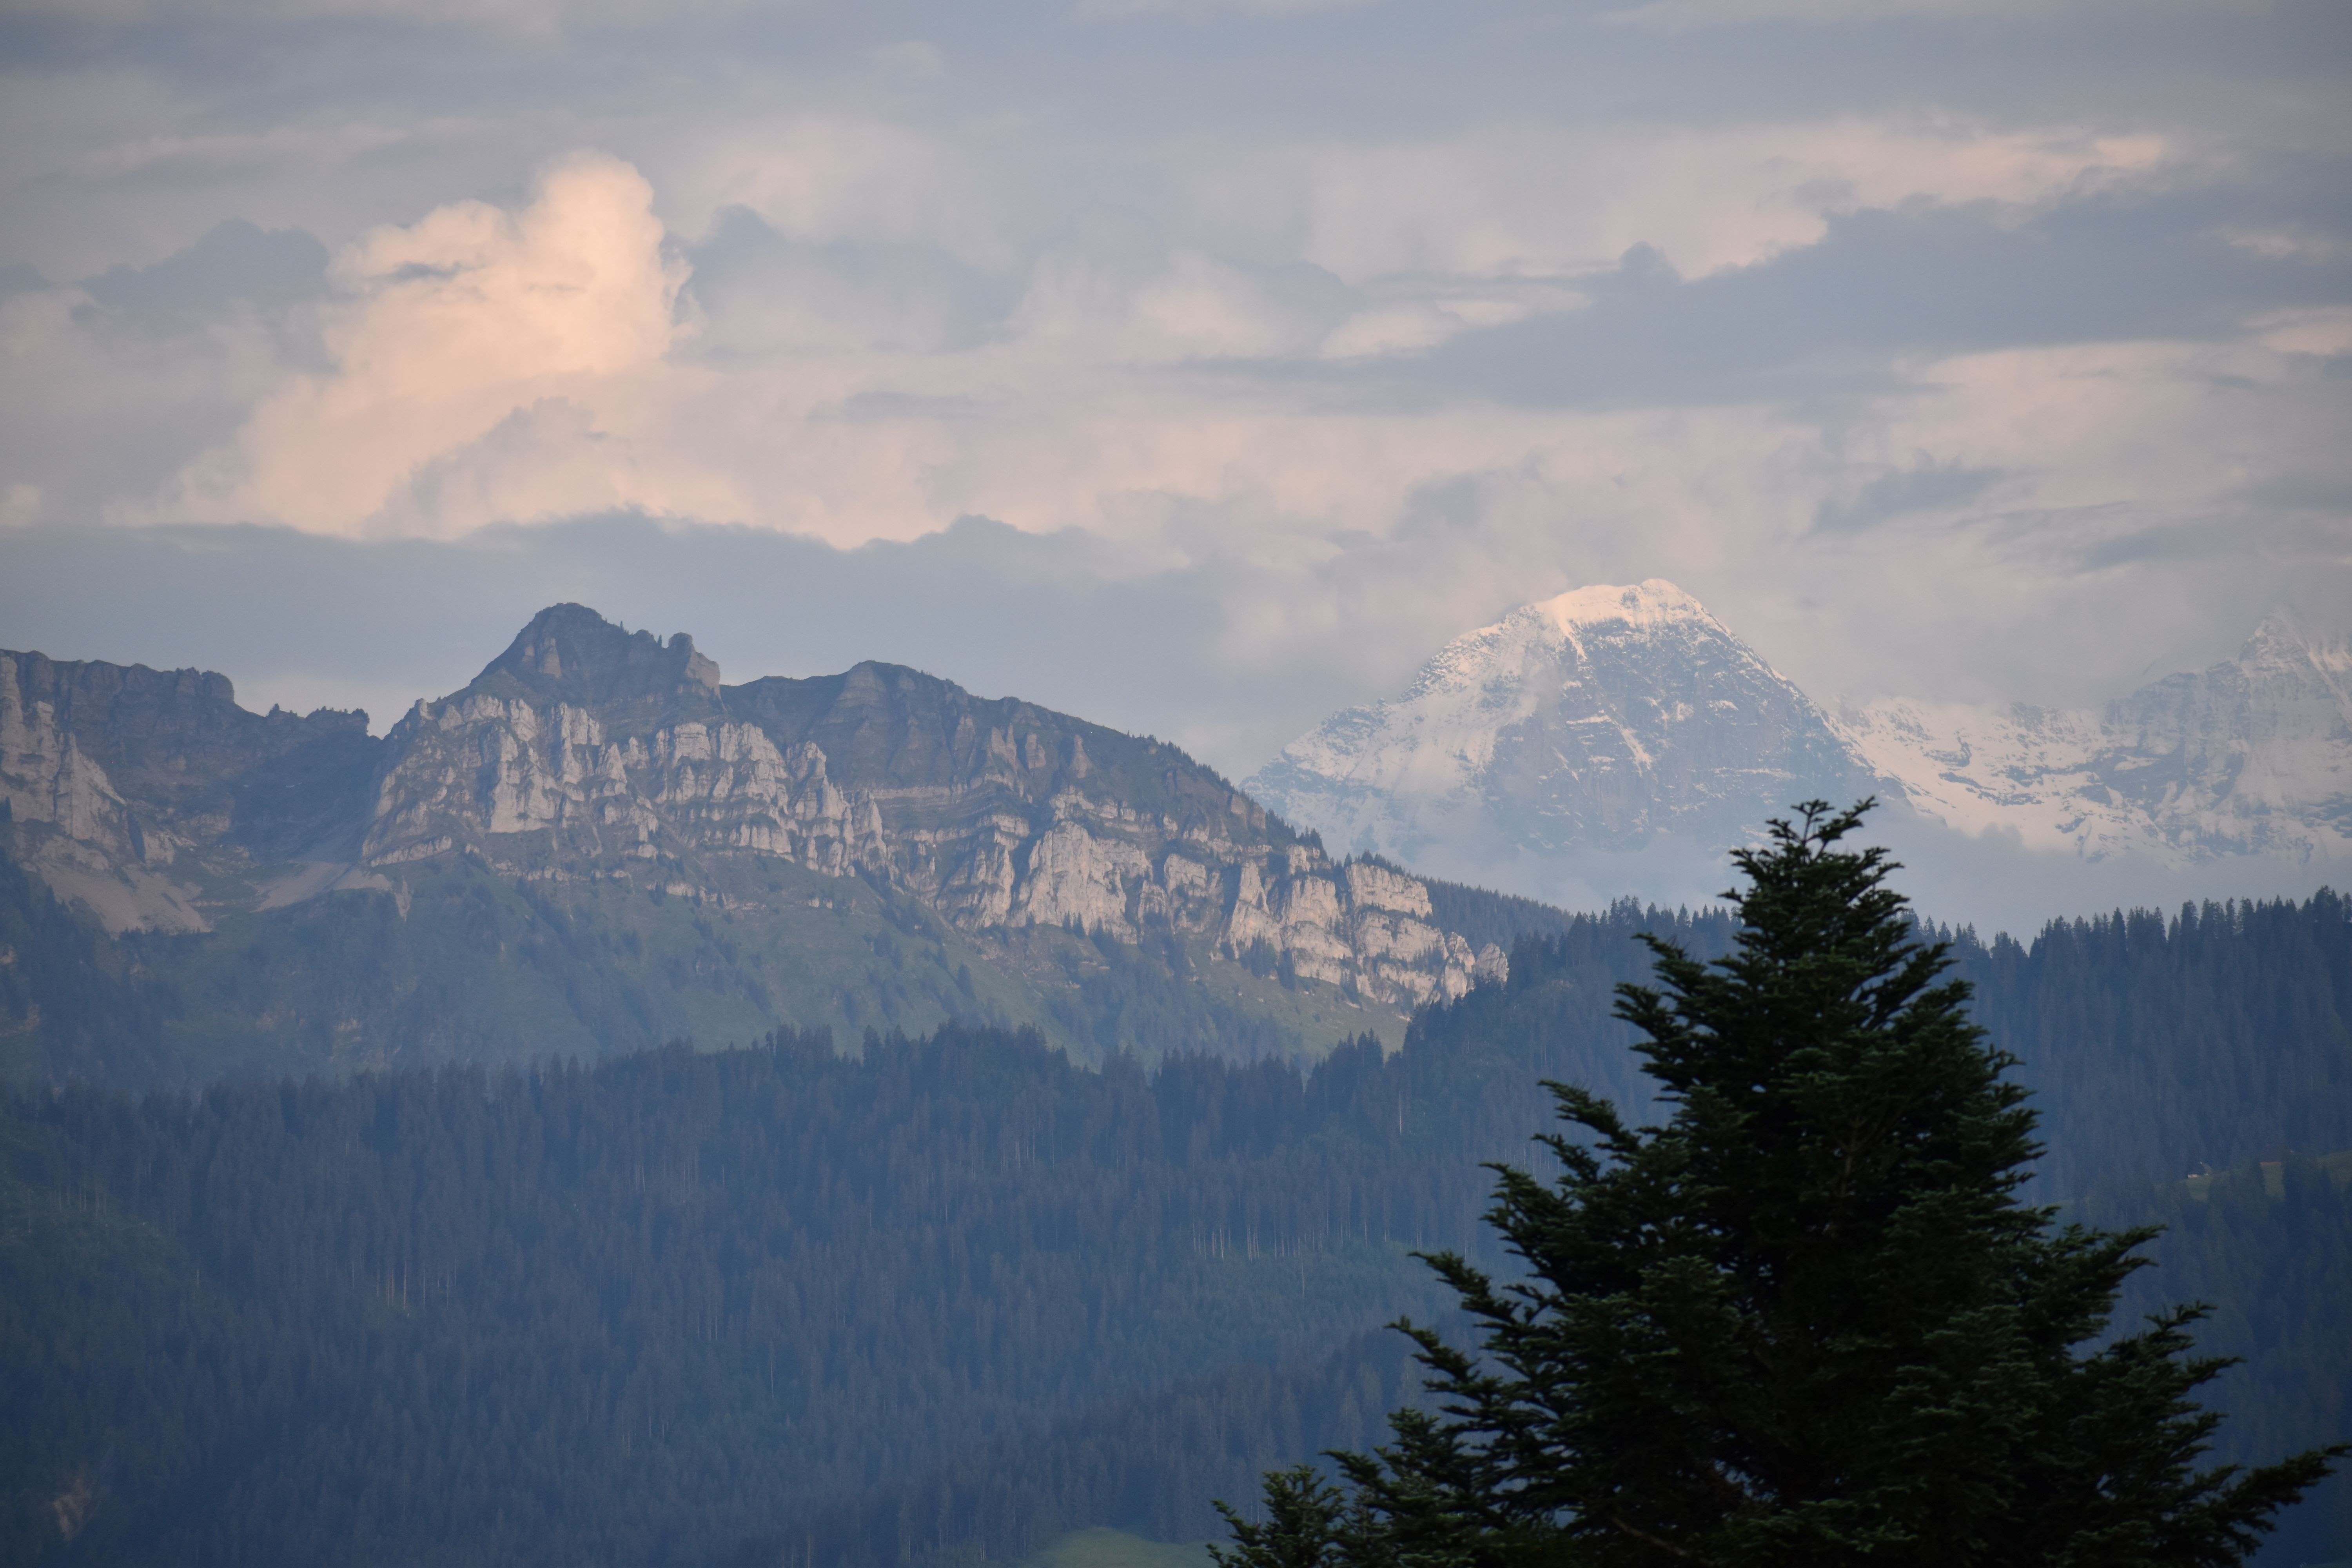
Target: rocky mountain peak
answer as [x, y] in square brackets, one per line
[2250, 756]
[569, 653]
[1596, 719]
[1651, 603]
[587, 754]
[2286, 640]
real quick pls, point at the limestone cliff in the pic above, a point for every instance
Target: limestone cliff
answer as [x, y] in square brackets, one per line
[147, 795]
[587, 757]
[587, 751]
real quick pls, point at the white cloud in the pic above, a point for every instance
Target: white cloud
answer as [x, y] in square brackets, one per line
[824, 178]
[493, 364]
[2297, 242]
[2327, 331]
[1409, 326]
[461, 339]
[1194, 308]
[1543, 200]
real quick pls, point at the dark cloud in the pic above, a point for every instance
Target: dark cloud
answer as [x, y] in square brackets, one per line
[1830, 319]
[2302, 492]
[18, 278]
[761, 290]
[2319, 548]
[1925, 485]
[307, 619]
[236, 263]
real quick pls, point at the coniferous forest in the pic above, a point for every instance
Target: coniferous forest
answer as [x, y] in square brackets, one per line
[940, 1299]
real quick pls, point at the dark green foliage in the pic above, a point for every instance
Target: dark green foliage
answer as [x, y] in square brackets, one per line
[2155, 1046]
[1308, 1523]
[477, 968]
[2270, 1245]
[72, 1004]
[948, 1292]
[954, 1297]
[1503, 920]
[1806, 1321]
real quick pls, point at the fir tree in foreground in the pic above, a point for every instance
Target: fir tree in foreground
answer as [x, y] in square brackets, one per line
[1807, 1322]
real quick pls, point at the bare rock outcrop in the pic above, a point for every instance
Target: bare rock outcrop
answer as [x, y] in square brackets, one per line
[586, 751]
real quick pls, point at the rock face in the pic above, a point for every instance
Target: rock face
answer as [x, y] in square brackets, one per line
[2250, 756]
[136, 791]
[1597, 721]
[584, 753]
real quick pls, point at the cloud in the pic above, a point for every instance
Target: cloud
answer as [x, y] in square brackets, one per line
[236, 263]
[1683, 16]
[468, 348]
[2325, 331]
[1301, 341]
[827, 178]
[525, 17]
[1412, 325]
[1540, 201]
[1193, 307]
[97, 409]
[1410, 457]
[1203, 11]
[1884, 292]
[1925, 485]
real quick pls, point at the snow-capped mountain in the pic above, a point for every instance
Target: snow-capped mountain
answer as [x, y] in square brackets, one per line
[1617, 719]
[2250, 756]
[1597, 721]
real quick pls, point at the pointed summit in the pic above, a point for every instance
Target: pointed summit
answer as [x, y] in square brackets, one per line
[1653, 602]
[571, 655]
[1596, 720]
[2287, 637]
[2250, 756]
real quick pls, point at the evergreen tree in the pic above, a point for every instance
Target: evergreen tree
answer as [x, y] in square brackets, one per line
[1808, 1320]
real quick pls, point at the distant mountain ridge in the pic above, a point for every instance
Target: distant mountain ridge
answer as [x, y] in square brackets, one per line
[1594, 720]
[688, 857]
[1613, 719]
[2252, 755]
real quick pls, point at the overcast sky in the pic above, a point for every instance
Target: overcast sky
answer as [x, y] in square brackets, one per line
[1196, 365]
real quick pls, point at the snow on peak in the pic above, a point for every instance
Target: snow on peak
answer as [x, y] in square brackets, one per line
[2285, 636]
[1651, 602]
[1595, 720]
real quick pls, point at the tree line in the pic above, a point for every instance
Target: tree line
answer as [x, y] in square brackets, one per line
[937, 1299]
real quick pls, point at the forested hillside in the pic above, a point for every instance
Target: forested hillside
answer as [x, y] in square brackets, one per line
[2214, 1038]
[2269, 1244]
[946, 1298]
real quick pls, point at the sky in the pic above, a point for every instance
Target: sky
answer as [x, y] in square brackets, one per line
[1198, 366]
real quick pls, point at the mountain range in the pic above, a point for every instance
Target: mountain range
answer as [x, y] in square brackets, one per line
[939, 1297]
[1611, 719]
[2250, 756]
[597, 843]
